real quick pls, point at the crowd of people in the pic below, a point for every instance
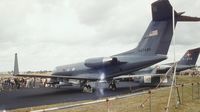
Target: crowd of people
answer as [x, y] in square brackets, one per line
[17, 83]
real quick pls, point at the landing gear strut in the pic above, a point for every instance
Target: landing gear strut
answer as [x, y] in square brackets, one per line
[112, 85]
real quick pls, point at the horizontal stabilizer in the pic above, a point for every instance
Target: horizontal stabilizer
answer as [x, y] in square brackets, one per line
[187, 18]
[162, 10]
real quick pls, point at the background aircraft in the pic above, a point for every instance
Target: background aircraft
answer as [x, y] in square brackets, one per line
[186, 62]
[152, 49]
[150, 79]
[151, 76]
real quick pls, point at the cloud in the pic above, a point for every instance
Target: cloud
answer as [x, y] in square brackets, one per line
[95, 12]
[187, 35]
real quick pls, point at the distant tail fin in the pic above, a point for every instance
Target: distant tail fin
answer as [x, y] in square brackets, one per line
[16, 68]
[190, 57]
[158, 35]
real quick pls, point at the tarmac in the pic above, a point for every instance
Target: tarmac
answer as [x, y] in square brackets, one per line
[29, 97]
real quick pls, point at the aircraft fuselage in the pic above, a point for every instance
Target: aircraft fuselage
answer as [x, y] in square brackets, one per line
[128, 64]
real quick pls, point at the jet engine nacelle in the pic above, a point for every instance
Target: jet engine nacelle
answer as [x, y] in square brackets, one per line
[163, 67]
[100, 62]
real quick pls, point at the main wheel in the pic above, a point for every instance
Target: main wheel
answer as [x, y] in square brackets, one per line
[113, 86]
[88, 89]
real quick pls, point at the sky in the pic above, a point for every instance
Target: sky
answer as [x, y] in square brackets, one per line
[48, 33]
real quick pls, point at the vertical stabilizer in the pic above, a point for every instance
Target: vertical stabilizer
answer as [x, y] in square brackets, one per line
[190, 57]
[16, 68]
[158, 36]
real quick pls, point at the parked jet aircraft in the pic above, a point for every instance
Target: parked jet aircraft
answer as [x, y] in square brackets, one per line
[151, 78]
[152, 49]
[186, 62]
[152, 75]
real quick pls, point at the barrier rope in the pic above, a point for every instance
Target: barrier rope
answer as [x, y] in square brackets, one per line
[142, 104]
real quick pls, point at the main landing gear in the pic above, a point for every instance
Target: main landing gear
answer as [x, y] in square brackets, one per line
[112, 85]
[86, 87]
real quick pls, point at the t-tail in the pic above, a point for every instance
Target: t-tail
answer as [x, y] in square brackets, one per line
[190, 57]
[16, 67]
[158, 36]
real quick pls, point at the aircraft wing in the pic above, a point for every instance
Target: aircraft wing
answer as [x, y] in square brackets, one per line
[136, 76]
[55, 76]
